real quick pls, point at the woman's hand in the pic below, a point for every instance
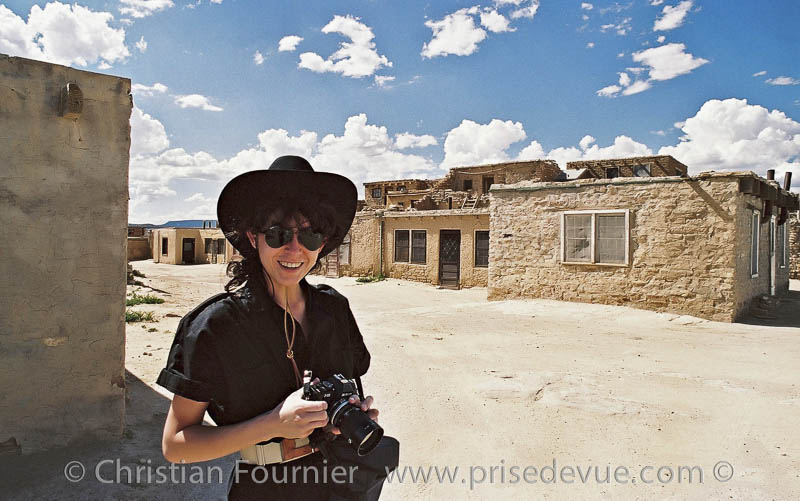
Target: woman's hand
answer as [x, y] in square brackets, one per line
[297, 418]
[365, 406]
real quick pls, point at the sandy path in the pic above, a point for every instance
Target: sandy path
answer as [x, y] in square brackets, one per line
[495, 387]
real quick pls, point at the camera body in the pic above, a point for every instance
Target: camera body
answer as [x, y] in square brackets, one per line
[361, 432]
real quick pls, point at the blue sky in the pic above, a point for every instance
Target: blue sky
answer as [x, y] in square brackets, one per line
[385, 90]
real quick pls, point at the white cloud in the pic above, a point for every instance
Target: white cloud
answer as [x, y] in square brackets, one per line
[661, 39]
[526, 12]
[216, 1]
[62, 34]
[637, 87]
[258, 58]
[141, 45]
[656, 2]
[456, 34]
[586, 141]
[472, 143]
[760, 73]
[196, 101]
[783, 81]
[585, 18]
[407, 140]
[199, 197]
[658, 132]
[533, 151]
[586, 6]
[357, 58]
[621, 54]
[495, 22]
[289, 43]
[148, 135]
[383, 80]
[668, 61]
[624, 79]
[731, 134]
[623, 147]
[590, 45]
[144, 8]
[622, 28]
[609, 91]
[672, 17]
[145, 91]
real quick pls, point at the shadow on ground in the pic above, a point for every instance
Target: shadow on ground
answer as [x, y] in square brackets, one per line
[136, 457]
[787, 314]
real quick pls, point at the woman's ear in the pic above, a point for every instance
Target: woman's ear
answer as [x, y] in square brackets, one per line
[252, 239]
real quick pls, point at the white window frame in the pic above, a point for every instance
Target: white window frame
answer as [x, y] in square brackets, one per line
[592, 239]
[784, 244]
[755, 222]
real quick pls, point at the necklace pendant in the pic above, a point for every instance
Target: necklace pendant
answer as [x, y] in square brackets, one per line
[289, 354]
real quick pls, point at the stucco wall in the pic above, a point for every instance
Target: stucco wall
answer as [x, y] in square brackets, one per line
[175, 238]
[432, 222]
[364, 246]
[685, 246]
[64, 216]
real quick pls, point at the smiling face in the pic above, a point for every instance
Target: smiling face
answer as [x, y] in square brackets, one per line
[286, 265]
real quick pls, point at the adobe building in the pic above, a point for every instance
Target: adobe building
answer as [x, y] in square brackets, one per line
[438, 235]
[190, 246]
[64, 214]
[705, 245]
[653, 166]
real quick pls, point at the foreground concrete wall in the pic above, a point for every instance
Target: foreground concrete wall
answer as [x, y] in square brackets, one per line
[688, 245]
[64, 217]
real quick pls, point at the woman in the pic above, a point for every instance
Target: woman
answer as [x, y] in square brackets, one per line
[240, 355]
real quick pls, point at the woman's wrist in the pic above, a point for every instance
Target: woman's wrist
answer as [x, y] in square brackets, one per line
[268, 423]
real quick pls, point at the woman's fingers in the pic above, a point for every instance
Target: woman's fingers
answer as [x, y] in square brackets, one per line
[366, 404]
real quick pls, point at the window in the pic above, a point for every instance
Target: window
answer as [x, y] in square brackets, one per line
[482, 249]
[595, 237]
[641, 170]
[221, 246]
[467, 184]
[418, 245]
[344, 250]
[612, 172]
[164, 246]
[754, 236]
[488, 181]
[376, 193]
[208, 246]
[401, 246]
[781, 243]
[401, 189]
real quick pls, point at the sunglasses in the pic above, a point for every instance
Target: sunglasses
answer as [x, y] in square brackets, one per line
[277, 236]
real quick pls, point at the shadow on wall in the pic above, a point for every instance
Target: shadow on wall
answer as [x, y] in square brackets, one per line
[787, 313]
[44, 475]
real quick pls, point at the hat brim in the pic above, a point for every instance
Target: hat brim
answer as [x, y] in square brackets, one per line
[244, 195]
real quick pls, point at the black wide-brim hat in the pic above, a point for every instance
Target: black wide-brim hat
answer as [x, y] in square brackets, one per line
[290, 180]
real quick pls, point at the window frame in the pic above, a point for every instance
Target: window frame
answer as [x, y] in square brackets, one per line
[465, 181]
[219, 244]
[408, 248]
[755, 241]
[607, 169]
[593, 236]
[475, 254]
[647, 167]
[378, 191]
[783, 228]
[164, 246]
[411, 247]
[209, 242]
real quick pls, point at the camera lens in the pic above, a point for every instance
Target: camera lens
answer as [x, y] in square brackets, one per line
[362, 432]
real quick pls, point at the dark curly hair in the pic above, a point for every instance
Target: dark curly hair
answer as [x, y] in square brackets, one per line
[319, 215]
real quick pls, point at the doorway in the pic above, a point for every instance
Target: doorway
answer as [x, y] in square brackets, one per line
[188, 250]
[449, 258]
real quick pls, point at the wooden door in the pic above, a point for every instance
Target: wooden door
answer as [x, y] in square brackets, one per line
[449, 257]
[332, 264]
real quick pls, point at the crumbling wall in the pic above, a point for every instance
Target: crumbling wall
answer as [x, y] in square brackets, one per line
[364, 246]
[64, 218]
[794, 245]
[683, 245]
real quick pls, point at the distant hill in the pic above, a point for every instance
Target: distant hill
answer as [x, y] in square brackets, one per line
[183, 223]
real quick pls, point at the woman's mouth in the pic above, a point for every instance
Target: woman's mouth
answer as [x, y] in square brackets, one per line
[290, 265]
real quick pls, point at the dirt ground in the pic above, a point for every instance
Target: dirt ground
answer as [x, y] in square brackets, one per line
[524, 398]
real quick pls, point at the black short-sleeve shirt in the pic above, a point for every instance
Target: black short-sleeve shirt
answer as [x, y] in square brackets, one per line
[230, 351]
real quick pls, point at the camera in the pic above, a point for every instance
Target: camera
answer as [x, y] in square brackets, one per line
[361, 432]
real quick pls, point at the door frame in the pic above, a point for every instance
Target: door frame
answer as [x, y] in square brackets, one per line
[183, 250]
[442, 234]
